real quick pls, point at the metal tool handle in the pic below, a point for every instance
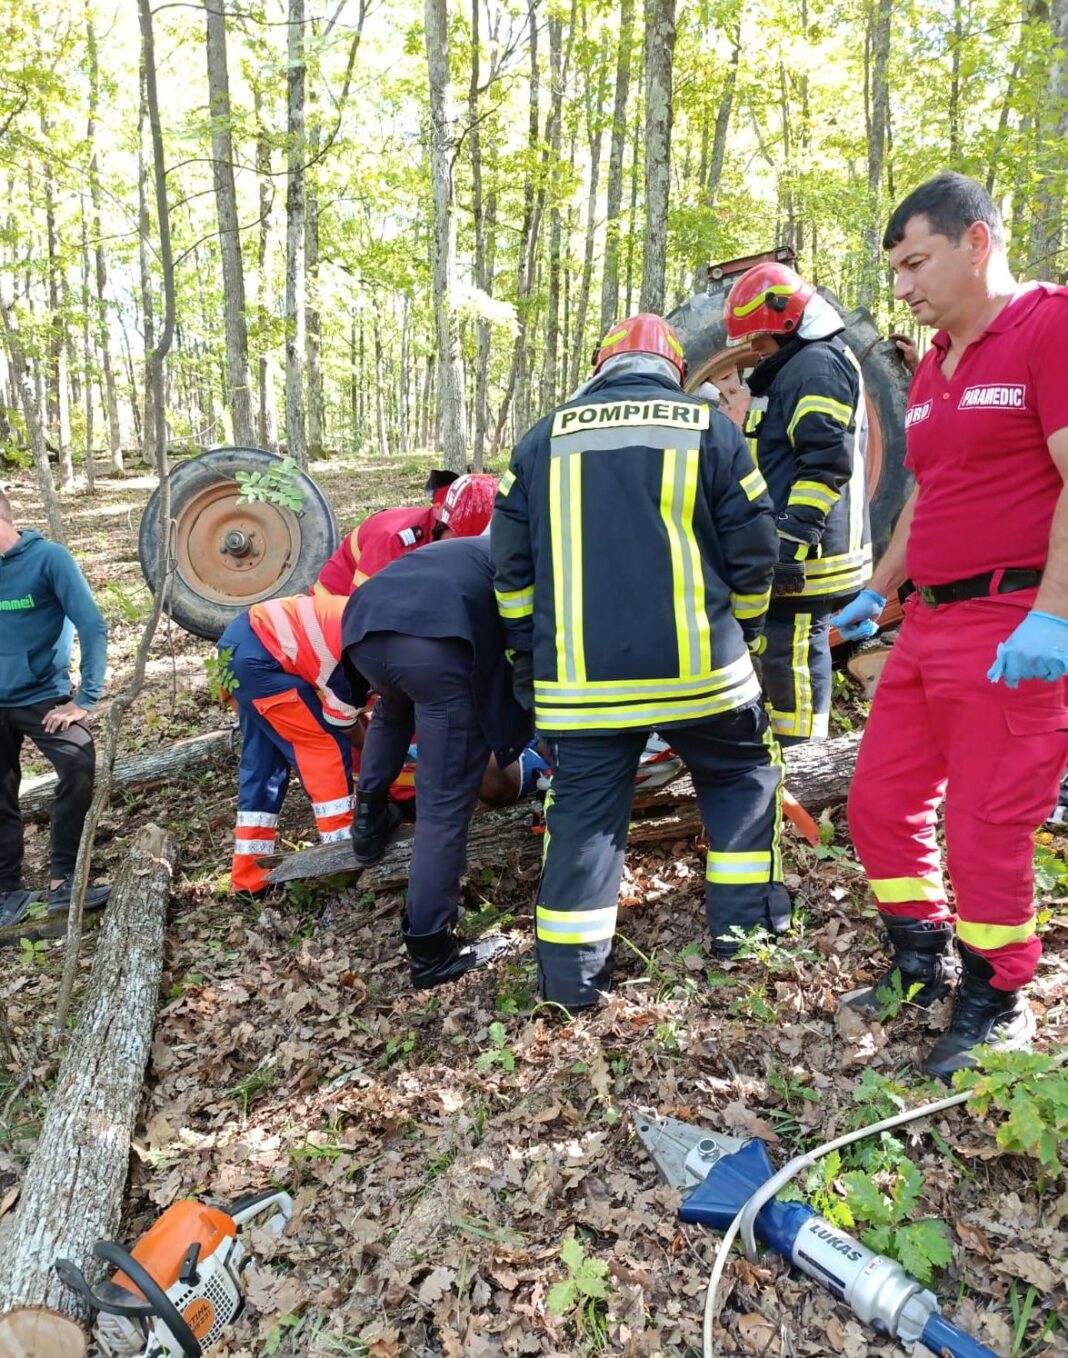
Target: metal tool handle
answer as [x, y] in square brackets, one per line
[941, 1336]
[254, 1205]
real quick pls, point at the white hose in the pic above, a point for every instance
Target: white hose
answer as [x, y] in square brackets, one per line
[747, 1214]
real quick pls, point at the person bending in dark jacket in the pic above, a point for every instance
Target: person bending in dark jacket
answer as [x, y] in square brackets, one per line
[44, 600]
[425, 634]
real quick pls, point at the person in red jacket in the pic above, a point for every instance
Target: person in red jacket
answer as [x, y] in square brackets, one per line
[282, 666]
[461, 508]
[972, 707]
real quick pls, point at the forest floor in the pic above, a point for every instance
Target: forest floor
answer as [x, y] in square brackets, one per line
[442, 1147]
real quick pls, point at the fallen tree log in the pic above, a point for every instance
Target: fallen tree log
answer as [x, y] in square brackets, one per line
[72, 1193]
[183, 759]
[817, 774]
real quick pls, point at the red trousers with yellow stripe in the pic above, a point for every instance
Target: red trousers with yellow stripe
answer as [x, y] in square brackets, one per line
[282, 727]
[940, 731]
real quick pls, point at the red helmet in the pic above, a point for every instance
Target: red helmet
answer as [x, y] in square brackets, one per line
[642, 334]
[468, 504]
[768, 299]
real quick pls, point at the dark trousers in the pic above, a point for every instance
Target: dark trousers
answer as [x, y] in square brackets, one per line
[424, 684]
[795, 670]
[71, 754]
[737, 774]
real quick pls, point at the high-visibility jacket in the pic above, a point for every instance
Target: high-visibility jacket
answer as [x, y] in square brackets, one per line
[808, 433]
[303, 634]
[374, 543]
[633, 546]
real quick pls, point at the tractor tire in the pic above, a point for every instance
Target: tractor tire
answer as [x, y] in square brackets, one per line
[700, 326]
[231, 556]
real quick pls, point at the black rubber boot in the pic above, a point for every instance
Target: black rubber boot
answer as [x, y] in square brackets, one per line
[922, 952]
[437, 958]
[982, 1016]
[375, 820]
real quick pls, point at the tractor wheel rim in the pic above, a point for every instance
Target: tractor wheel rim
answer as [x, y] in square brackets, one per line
[231, 553]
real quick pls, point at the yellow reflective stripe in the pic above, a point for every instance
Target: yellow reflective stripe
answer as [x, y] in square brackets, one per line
[775, 759]
[818, 405]
[901, 890]
[623, 715]
[829, 565]
[815, 494]
[565, 519]
[596, 690]
[678, 495]
[747, 308]
[750, 605]
[847, 583]
[799, 721]
[991, 936]
[505, 484]
[736, 868]
[753, 484]
[575, 926]
[515, 603]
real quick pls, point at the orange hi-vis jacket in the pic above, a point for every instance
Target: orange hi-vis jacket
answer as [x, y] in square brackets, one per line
[303, 633]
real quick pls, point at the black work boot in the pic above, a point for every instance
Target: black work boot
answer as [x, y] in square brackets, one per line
[982, 1016]
[375, 820]
[437, 958]
[59, 897]
[922, 955]
[15, 904]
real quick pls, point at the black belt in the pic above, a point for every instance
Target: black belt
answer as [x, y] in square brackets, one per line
[973, 586]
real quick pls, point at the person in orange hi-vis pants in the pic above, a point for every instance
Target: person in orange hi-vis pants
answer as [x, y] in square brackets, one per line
[294, 703]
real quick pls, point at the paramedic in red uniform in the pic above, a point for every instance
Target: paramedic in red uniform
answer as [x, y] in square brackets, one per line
[461, 508]
[972, 707]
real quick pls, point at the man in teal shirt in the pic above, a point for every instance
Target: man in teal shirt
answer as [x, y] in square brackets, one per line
[44, 600]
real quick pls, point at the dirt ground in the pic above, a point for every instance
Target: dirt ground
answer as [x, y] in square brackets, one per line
[441, 1148]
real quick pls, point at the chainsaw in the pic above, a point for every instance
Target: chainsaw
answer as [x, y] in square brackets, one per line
[179, 1287]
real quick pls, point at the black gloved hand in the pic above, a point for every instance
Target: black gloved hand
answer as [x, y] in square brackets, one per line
[789, 578]
[523, 678]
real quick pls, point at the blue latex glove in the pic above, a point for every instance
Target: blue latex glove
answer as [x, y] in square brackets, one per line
[1038, 649]
[858, 620]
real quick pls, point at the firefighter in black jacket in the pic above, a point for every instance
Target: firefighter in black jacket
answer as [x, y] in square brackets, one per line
[807, 428]
[633, 546]
[425, 634]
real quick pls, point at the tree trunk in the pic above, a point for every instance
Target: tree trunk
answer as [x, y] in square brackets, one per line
[238, 381]
[58, 378]
[144, 228]
[87, 357]
[1047, 223]
[594, 113]
[72, 1193]
[184, 759]
[295, 263]
[558, 76]
[632, 212]
[871, 283]
[818, 774]
[610, 274]
[31, 413]
[659, 59]
[103, 339]
[380, 390]
[267, 429]
[723, 120]
[450, 384]
[478, 222]
[314, 315]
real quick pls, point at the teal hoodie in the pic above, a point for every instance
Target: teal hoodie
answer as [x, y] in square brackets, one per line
[44, 599]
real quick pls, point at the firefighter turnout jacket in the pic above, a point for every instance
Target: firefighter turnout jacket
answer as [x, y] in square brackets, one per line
[807, 429]
[633, 547]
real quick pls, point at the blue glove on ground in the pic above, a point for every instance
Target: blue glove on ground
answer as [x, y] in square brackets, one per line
[1038, 649]
[858, 620]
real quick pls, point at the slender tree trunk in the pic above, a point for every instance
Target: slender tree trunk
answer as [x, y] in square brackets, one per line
[148, 424]
[131, 377]
[723, 120]
[354, 383]
[632, 213]
[482, 280]
[239, 384]
[454, 422]
[659, 60]
[87, 356]
[594, 115]
[59, 379]
[380, 388]
[403, 377]
[879, 18]
[314, 317]
[954, 82]
[31, 413]
[610, 274]
[1047, 224]
[558, 76]
[296, 281]
[267, 428]
[103, 337]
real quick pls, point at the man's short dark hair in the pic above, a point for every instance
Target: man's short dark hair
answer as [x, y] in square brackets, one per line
[5, 509]
[951, 203]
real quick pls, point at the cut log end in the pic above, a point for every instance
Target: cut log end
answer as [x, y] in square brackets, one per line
[38, 1332]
